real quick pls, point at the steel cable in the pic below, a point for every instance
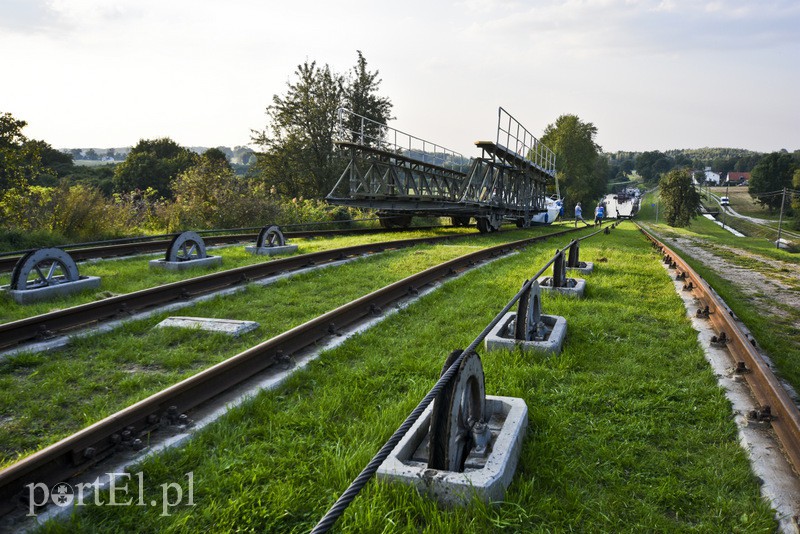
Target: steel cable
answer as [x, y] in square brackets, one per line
[344, 500]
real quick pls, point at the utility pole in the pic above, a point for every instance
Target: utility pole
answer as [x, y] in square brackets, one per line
[780, 219]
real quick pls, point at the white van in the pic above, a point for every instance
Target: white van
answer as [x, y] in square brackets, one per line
[724, 201]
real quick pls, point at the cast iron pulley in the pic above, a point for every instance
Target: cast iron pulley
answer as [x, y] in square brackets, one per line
[529, 325]
[270, 236]
[186, 246]
[458, 419]
[42, 268]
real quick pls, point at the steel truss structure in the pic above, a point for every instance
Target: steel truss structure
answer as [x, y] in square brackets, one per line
[403, 175]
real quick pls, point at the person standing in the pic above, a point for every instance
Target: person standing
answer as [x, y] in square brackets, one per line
[579, 215]
[599, 212]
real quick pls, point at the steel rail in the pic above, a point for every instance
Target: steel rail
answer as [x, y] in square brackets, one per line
[83, 450]
[763, 383]
[48, 324]
[7, 263]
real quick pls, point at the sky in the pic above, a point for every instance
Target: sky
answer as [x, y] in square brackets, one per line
[649, 74]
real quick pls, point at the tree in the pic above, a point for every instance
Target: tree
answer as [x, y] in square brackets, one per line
[20, 158]
[91, 155]
[153, 163]
[581, 177]
[361, 98]
[699, 177]
[215, 157]
[773, 173]
[298, 156]
[651, 165]
[679, 198]
[210, 195]
[59, 163]
[298, 153]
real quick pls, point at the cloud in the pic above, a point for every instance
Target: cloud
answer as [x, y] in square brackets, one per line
[26, 16]
[592, 28]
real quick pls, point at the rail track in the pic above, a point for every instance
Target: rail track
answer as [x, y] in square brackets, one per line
[776, 405]
[120, 431]
[82, 253]
[50, 324]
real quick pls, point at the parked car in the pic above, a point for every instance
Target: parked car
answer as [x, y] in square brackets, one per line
[724, 201]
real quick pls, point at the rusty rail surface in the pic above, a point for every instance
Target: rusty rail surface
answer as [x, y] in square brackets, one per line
[763, 383]
[47, 325]
[7, 263]
[83, 450]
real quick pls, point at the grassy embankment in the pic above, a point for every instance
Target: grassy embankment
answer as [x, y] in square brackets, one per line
[121, 276]
[628, 430]
[777, 334]
[99, 375]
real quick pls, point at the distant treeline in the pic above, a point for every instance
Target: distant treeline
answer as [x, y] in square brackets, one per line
[238, 155]
[650, 165]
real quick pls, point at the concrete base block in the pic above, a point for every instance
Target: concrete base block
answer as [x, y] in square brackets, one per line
[210, 261]
[271, 251]
[585, 267]
[576, 287]
[27, 296]
[502, 335]
[509, 419]
[226, 326]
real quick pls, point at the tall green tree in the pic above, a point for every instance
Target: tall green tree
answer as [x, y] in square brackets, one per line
[362, 98]
[581, 176]
[651, 165]
[679, 198]
[297, 156]
[21, 158]
[153, 163]
[772, 173]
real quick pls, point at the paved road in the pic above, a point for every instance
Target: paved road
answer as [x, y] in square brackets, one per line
[769, 223]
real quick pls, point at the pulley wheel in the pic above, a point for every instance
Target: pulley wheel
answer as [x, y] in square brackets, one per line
[459, 405]
[186, 246]
[521, 321]
[42, 268]
[529, 313]
[495, 222]
[270, 236]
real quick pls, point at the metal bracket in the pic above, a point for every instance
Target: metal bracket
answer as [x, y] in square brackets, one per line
[574, 250]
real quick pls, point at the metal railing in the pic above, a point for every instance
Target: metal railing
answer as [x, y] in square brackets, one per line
[354, 128]
[516, 138]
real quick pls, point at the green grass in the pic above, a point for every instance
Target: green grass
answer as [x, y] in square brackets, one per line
[127, 275]
[95, 376]
[778, 335]
[628, 430]
[742, 202]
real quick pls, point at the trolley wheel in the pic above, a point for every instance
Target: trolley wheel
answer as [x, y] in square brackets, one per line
[495, 222]
[483, 224]
[456, 409]
[394, 221]
[460, 220]
[42, 268]
[270, 236]
[186, 246]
